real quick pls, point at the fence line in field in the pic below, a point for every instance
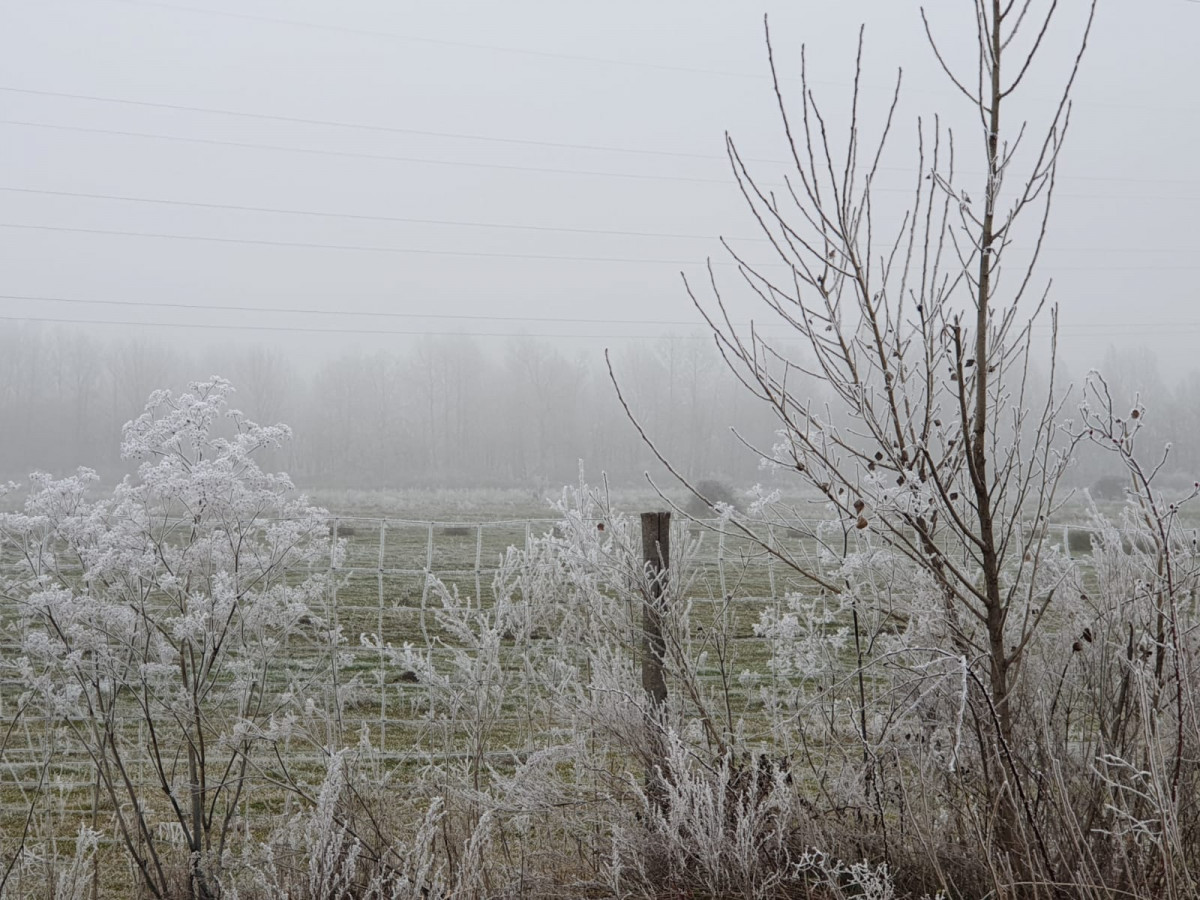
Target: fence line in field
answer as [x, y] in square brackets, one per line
[766, 560]
[347, 526]
[382, 551]
[385, 576]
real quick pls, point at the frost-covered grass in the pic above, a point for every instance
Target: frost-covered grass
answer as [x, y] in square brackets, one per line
[359, 732]
[442, 713]
[412, 714]
[403, 682]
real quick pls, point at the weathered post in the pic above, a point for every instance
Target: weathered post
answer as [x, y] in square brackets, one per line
[656, 556]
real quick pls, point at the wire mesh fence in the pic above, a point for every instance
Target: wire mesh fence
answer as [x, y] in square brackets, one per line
[381, 590]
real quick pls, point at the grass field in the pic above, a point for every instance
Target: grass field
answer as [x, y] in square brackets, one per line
[381, 589]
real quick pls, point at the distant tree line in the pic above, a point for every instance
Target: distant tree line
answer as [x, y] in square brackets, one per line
[444, 411]
[452, 411]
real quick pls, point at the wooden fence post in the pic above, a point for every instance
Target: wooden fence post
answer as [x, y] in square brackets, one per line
[656, 554]
[656, 557]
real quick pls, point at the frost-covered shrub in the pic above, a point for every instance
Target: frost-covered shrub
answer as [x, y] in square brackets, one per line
[720, 827]
[329, 851]
[712, 493]
[1109, 488]
[159, 623]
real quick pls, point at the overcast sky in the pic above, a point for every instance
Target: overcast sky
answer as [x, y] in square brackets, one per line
[460, 164]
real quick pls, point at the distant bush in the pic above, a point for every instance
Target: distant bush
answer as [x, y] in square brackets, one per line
[1110, 487]
[1086, 540]
[1079, 540]
[714, 492]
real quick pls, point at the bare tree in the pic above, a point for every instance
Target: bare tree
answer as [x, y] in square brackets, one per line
[934, 447]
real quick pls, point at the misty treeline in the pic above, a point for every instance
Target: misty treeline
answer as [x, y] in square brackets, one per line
[458, 412]
[447, 411]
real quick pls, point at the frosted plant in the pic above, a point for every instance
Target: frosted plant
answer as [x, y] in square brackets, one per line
[161, 619]
[328, 851]
[841, 879]
[75, 881]
[721, 829]
[538, 700]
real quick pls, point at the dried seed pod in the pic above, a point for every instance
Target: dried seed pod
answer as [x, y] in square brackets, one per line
[1135, 414]
[878, 455]
[1087, 635]
[858, 505]
[1076, 647]
[861, 523]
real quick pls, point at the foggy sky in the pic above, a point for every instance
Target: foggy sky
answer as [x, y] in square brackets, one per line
[660, 81]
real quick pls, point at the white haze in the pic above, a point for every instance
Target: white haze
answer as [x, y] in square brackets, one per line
[474, 203]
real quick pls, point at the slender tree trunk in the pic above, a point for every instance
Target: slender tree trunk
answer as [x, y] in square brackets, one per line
[1007, 823]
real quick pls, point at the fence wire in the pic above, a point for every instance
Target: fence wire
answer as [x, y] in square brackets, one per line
[382, 588]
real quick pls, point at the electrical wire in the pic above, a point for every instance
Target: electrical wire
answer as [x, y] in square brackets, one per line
[358, 126]
[531, 142]
[441, 42]
[543, 257]
[1097, 329]
[558, 55]
[382, 157]
[310, 311]
[588, 173]
[365, 218]
[358, 248]
[359, 331]
[553, 229]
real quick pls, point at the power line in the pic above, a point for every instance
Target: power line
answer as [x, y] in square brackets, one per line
[419, 160]
[592, 173]
[440, 42]
[1166, 328]
[359, 248]
[310, 311]
[366, 248]
[553, 229]
[1086, 329]
[389, 129]
[358, 126]
[362, 217]
[361, 331]
[547, 54]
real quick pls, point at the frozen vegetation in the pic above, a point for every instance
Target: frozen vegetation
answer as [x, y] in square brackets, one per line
[936, 695]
